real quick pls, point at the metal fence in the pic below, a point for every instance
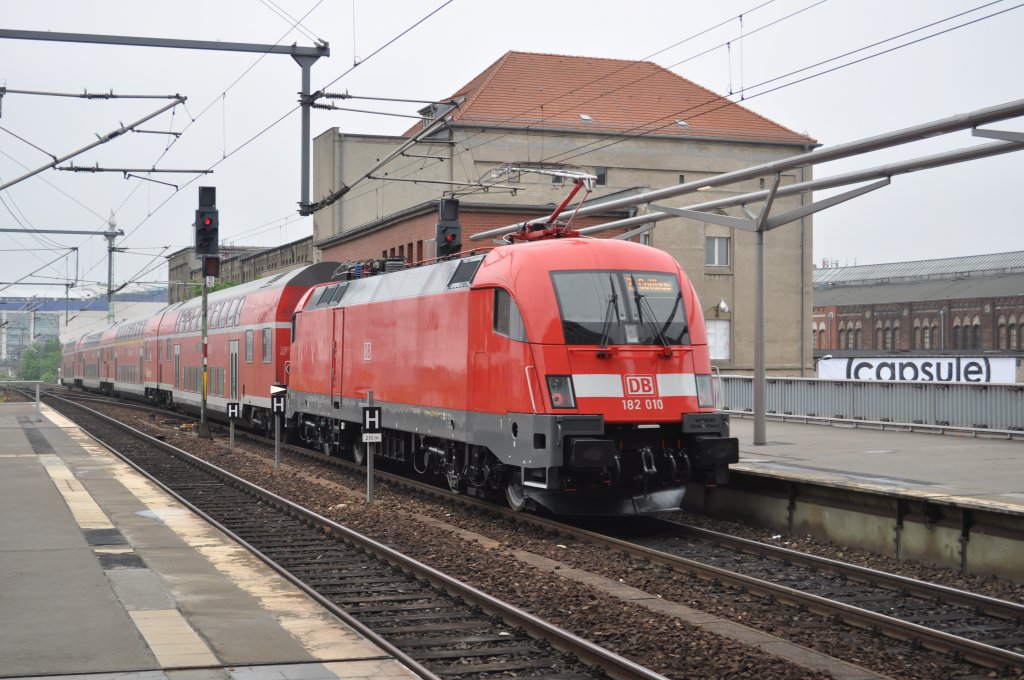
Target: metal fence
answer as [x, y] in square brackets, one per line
[37, 383]
[923, 404]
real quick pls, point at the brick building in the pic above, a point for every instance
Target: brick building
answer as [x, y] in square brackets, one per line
[633, 125]
[953, 305]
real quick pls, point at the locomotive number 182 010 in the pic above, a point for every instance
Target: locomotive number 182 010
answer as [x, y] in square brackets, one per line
[642, 404]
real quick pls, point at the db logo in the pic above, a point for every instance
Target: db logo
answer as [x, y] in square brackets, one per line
[640, 386]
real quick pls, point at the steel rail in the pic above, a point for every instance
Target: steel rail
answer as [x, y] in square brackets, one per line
[614, 665]
[989, 605]
[977, 652]
[936, 640]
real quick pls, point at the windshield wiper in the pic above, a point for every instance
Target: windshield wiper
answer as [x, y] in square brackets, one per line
[642, 300]
[606, 328]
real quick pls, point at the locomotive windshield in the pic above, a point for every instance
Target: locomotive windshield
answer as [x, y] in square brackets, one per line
[620, 307]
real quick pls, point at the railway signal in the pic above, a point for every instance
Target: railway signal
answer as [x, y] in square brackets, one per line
[207, 222]
[449, 231]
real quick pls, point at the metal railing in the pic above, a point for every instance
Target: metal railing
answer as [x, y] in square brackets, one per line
[915, 405]
[37, 383]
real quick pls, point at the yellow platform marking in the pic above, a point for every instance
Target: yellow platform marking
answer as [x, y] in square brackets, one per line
[86, 512]
[172, 640]
[318, 631]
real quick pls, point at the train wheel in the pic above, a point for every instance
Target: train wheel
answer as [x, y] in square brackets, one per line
[514, 493]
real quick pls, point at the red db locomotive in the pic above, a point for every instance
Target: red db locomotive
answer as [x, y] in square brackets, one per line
[571, 374]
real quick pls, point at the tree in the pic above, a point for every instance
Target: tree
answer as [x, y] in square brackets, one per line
[196, 289]
[40, 361]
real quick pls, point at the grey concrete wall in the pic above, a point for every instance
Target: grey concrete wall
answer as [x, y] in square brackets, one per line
[649, 162]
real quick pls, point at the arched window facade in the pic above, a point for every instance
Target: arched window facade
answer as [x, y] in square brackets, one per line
[858, 340]
[958, 334]
[1001, 333]
[917, 336]
[927, 338]
[1013, 334]
[976, 333]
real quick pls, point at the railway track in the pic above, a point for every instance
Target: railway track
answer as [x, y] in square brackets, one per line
[980, 629]
[983, 630]
[436, 625]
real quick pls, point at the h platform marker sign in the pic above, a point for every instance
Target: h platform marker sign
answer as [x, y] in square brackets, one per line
[371, 425]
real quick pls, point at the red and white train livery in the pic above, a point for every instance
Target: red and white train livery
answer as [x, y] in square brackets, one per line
[571, 374]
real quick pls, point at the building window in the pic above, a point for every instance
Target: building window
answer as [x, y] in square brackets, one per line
[716, 251]
[718, 331]
[267, 350]
[248, 346]
[602, 177]
[927, 340]
[888, 338]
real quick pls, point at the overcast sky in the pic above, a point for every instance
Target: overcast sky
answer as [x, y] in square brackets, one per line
[241, 120]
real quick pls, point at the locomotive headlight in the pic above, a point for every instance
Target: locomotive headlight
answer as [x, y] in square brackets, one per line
[560, 390]
[705, 392]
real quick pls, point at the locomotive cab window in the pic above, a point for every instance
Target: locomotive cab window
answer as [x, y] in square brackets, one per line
[507, 319]
[618, 307]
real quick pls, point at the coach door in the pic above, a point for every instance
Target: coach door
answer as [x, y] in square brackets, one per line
[336, 351]
[177, 367]
[233, 368]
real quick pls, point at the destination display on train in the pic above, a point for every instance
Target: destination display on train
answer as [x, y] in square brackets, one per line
[647, 284]
[936, 369]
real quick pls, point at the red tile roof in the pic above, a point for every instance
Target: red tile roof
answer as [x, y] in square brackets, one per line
[551, 91]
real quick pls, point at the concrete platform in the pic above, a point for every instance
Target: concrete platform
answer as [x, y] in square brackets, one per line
[971, 472]
[102, 573]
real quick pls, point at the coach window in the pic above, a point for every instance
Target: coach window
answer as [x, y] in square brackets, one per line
[248, 346]
[507, 319]
[266, 346]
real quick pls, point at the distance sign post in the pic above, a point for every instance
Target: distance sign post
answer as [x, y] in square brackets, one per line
[234, 410]
[277, 408]
[371, 436]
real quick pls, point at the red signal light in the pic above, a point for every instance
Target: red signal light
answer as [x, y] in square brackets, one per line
[207, 221]
[449, 238]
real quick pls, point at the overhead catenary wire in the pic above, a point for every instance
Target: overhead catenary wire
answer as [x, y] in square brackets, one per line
[645, 128]
[275, 122]
[514, 116]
